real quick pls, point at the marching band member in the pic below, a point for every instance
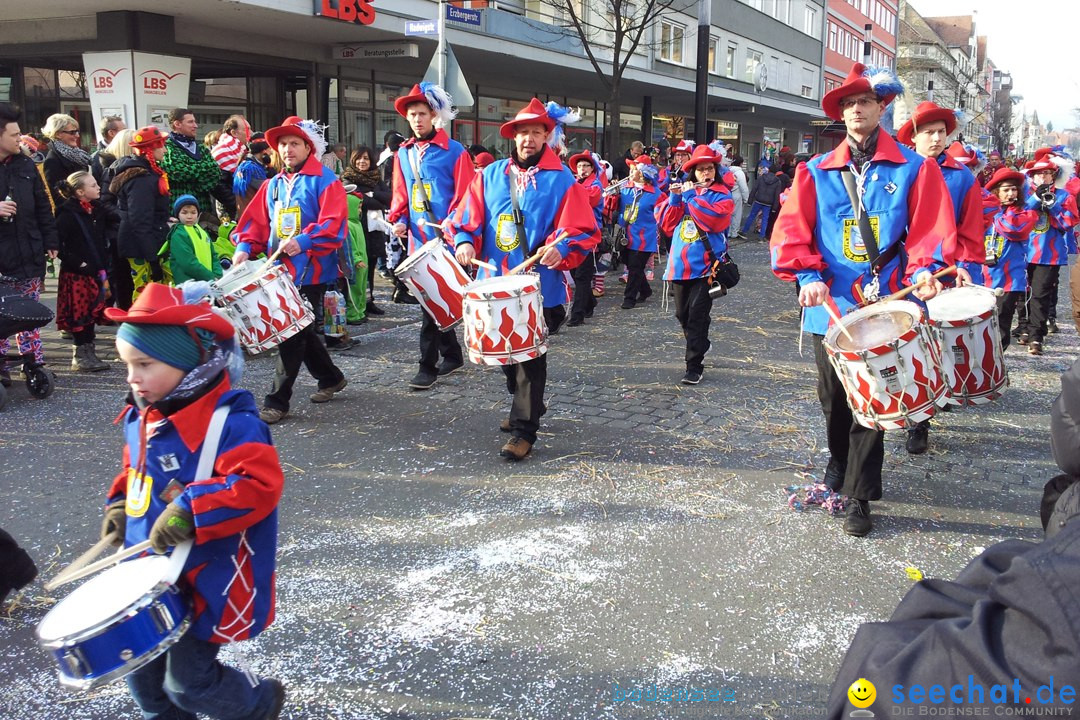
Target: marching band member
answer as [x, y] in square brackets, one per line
[928, 130]
[1051, 240]
[818, 243]
[1007, 246]
[1071, 183]
[302, 212]
[696, 215]
[554, 215]
[586, 167]
[679, 156]
[431, 172]
[638, 203]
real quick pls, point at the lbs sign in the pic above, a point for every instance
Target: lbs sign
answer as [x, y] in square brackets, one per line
[353, 11]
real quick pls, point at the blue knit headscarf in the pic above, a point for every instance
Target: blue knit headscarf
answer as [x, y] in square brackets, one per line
[171, 344]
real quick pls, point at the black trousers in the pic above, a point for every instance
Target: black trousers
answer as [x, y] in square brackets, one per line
[435, 342]
[526, 382]
[1041, 281]
[637, 286]
[693, 308]
[583, 275]
[1007, 304]
[1051, 314]
[860, 448]
[304, 348]
[120, 281]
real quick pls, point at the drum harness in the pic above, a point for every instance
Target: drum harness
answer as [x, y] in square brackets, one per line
[854, 181]
[418, 185]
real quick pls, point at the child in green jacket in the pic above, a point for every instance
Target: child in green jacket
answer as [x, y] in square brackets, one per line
[191, 252]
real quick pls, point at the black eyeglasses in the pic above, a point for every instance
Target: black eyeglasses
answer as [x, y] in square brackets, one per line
[68, 132]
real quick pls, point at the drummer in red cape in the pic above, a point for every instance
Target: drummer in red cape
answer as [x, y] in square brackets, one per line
[555, 216]
[586, 166]
[300, 211]
[431, 172]
[817, 242]
[927, 131]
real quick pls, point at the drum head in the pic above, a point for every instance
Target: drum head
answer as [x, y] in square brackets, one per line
[874, 330]
[513, 284]
[103, 596]
[238, 276]
[960, 303]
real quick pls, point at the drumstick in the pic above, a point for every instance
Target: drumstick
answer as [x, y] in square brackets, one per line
[539, 254]
[838, 321]
[911, 288]
[481, 263]
[80, 561]
[101, 564]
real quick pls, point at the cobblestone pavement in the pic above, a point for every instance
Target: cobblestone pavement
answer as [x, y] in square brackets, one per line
[647, 541]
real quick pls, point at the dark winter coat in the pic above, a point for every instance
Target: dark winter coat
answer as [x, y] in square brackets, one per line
[144, 212]
[57, 168]
[83, 243]
[24, 241]
[1065, 423]
[767, 190]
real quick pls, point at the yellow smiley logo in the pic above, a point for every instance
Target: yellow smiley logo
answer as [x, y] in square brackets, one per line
[862, 693]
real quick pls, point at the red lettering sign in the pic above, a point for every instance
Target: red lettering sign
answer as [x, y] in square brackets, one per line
[353, 11]
[153, 83]
[101, 83]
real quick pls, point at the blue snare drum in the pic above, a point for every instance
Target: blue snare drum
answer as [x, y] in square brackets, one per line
[115, 623]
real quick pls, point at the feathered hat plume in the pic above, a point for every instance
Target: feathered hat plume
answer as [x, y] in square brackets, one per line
[562, 116]
[440, 101]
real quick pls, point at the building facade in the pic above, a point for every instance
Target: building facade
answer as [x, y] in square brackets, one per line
[846, 33]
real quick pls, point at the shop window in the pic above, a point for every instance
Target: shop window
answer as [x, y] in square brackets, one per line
[386, 94]
[729, 62]
[464, 131]
[714, 55]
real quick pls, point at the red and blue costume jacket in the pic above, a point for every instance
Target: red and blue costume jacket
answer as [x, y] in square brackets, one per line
[595, 190]
[663, 180]
[230, 570]
[445, 170]
[638, 206]
[1052, 239]
[556, 211]
[694, 218]
[817, 238]
[1007, 240]
[966, 195]
[309, 204]
[991, 206]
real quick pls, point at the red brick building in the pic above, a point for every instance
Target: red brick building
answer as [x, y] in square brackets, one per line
[845, 32]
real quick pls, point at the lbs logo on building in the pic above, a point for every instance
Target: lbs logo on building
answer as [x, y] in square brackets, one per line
[353, 11]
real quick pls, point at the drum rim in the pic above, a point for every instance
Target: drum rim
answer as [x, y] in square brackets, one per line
[421, 253]
[144, 601]
[226, 286]
[829, 341]
[129, 666]
[474, 284]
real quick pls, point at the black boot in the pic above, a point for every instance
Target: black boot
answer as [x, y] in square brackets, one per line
[918, 438]
[858, 521]
[17, 568]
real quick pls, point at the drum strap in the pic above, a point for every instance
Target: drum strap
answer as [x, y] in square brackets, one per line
[208, 454]
[418, 183]
[519, 217]
[878, 259]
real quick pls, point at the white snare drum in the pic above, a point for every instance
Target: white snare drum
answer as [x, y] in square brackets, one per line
[116, 622]
[437, 280]
[263, 304]
[966, 323]
[504, 320]
[891, 371]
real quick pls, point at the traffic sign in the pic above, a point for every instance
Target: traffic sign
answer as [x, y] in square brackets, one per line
[463, 15]
[423, 28]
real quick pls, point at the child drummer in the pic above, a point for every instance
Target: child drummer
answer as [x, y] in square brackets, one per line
[1007, 245]
[182, 360]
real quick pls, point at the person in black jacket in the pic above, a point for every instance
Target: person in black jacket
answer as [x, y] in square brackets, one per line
[364, 174]
[81, 224]
[65, 156]
[1011, 616]
[142, 193]
[27, 228]
[120, 285]
[764, 195]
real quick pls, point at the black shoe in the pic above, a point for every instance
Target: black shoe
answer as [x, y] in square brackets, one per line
[858, 521]
[1051, 326]
[918, 438]
[1023, 338]
[834, 475]
[691, 378]
[449, 367]
[279, 700]
[373, 309]
[642, 297]
[340, 343]
[422, 380]
[575, 322]
[627, 304]
[361, 321]
[589, 313]
[403, 297]
[1035, 348]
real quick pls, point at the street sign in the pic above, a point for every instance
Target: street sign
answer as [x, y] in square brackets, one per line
[455, 79]
[423, 28]
[381, 51]
[464, 16]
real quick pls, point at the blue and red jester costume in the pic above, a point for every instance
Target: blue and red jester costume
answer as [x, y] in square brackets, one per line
[589, 172]
[1052, 240]
[697, 220]
[557, 218]
[974, 160]
[639, 202]
[431, 172]
[1006, 245]
[182, 358]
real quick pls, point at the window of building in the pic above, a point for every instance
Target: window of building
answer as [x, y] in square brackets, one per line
[782, 11]
[753, 58]
[807, 83]
[714, 55]
[757, 4]
[785, 76]
[810, 25]
[729, 63]
[671, 41]
[832, 37]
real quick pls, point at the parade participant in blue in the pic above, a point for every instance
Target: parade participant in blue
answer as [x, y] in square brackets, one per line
[513, 209]
[696, 215]
[182, 360]
[1006, 245]
[928, 131]
[894, 194]
[1051, 241]
[302, 212]
[638, 203]
[679, 156]
[586, 167]
[431, 172]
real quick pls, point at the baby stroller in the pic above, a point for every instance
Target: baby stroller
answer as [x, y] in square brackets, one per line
[20, 314]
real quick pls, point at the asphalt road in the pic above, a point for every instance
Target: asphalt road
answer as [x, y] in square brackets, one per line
[646, 542]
